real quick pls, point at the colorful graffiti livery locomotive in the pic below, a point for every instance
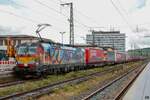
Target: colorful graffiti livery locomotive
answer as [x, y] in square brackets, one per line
[40, 58]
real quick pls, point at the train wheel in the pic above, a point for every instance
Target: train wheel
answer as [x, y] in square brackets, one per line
[37, 75]
[44, 74]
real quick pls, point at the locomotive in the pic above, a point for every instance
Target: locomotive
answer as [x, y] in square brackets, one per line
[42, 58]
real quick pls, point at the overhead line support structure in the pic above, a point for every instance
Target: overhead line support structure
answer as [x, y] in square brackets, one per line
[71, 21]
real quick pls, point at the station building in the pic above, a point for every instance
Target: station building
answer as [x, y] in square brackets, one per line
[113, 39]
[17, 39]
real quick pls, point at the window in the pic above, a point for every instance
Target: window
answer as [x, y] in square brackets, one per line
[32, 50]
[5, 42]
[22, 50]
[1, 42]
[14, 42]
[19, 42]
[26, 50]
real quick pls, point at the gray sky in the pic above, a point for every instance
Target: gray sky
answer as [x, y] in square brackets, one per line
[22, 17]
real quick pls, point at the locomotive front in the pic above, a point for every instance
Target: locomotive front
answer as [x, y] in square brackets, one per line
[26, 59]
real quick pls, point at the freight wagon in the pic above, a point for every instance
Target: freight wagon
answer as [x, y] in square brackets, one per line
[120, 57]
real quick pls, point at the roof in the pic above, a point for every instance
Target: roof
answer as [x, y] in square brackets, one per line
[24, 36]
[97, 32]
[16, 36]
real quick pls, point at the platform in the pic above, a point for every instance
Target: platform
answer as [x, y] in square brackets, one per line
[140, 90]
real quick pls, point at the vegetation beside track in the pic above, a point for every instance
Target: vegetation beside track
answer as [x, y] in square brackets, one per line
[7, 79]
[30, 85]
[71, 91]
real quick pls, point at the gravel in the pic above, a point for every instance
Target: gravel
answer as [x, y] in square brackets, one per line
[110, 92]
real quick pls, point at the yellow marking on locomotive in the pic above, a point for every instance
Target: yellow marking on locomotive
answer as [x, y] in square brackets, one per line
[25, 60]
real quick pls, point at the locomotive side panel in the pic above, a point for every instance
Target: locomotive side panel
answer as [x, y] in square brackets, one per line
[62, 55]
[94, 55]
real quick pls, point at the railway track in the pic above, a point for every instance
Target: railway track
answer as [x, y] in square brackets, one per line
[15, 82]
[125, 89]
[6, 74]
[101, 91]
[47, 89]
[10, 83]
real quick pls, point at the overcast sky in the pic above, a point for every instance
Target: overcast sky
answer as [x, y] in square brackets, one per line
[22, 17]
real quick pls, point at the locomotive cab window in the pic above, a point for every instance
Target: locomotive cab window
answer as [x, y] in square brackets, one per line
[26, 50]
[22, 50]
[32, 50]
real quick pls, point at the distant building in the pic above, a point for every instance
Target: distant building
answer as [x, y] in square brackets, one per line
[113, 39]
[17, 39]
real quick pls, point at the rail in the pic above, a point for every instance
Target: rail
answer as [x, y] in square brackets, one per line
[125, 89]
[112, 82]
[48, 88]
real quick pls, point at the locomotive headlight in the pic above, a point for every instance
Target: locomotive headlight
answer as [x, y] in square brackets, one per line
[25, 65]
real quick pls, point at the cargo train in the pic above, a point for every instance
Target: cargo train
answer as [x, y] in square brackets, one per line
[40, 58]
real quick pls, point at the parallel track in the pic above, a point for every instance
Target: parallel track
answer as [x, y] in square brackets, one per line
[10, 83]
[47, 89]
[125, 89]
[5, 75]
[119, 95]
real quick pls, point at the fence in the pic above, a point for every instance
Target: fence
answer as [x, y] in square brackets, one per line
[6, 67]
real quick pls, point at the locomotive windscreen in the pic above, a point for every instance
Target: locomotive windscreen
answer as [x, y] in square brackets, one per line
[22, 50]
[26, 50]
[32, 50]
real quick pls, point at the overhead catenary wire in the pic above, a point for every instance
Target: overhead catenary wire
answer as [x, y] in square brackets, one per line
[120, 13]
[51, 8]
[76, 21]
[124, 10]
[121, 6]
[27, 19]
[45, 5]
[54, 1]
[79, 22]
[86, 16]
[46, 15]
[19, 16]
[128, 16]
[39, 2]
[38, 12]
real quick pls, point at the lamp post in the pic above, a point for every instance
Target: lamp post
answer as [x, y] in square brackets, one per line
[62, 34]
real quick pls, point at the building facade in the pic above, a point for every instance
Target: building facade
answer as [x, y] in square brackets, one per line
[113, 39]
[17, 39]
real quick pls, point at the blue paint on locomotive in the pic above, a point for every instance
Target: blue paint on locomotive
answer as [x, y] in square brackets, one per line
[63, 54]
